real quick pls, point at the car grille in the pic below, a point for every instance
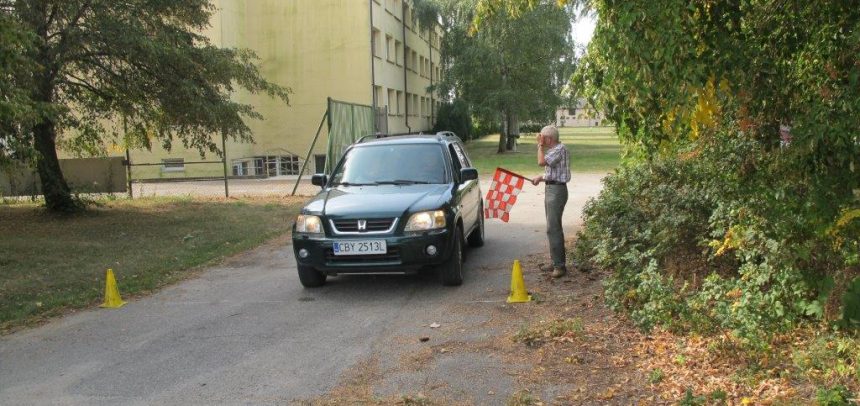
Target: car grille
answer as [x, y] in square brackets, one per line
[373, 225]
[393, 255]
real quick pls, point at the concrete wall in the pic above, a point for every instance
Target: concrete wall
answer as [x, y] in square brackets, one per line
[84, 175]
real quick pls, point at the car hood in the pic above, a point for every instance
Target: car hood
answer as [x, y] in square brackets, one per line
[378, 201]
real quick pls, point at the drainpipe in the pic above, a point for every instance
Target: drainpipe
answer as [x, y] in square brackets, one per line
[405, 87]
[372, 61]
[430, 46]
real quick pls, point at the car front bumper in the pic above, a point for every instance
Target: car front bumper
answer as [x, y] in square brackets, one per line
[406, 254]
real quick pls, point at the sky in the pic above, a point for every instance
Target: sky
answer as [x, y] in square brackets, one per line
[583, 29]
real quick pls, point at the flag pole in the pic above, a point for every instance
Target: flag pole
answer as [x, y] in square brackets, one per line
[511, 172]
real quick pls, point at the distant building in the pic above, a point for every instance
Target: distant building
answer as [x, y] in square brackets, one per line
[580, 115]
[368, 52]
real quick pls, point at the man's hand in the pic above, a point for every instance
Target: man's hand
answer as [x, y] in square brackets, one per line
[536, 180]
[540, 139]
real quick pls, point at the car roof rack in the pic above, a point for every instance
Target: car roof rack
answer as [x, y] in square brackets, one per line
[380, 135]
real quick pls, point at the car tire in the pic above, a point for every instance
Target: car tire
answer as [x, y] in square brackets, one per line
[310, 277]
[451, 272]
[476, 239]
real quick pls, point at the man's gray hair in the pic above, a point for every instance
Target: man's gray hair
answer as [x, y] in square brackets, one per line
[550, 131]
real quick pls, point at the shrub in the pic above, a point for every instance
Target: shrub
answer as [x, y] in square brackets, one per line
[718, 236]
[835, 396]
[455, 116]
[531, 127]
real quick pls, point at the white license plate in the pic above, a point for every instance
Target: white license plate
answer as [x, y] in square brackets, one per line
[365, 247]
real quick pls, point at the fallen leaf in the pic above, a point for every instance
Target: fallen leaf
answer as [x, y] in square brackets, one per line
[435, 325]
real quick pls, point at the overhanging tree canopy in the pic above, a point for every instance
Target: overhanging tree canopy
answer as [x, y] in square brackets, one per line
[513, 67]
[79, 68]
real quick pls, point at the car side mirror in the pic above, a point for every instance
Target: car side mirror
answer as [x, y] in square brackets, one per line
[319, 179]
[468, 174]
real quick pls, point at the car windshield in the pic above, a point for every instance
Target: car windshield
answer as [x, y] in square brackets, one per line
[396, 164]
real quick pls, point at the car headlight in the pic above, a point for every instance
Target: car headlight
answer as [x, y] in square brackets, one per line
[426, 220]
[308, 224]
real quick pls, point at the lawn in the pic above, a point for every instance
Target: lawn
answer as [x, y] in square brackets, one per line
[49, 264]
[592, 149]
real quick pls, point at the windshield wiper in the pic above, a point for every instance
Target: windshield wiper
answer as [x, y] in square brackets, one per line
[352, 184]
[402, 182]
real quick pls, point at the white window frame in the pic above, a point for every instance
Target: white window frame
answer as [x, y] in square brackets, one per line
[173, 165]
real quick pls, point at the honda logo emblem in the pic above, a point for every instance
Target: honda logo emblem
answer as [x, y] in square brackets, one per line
[362, 225]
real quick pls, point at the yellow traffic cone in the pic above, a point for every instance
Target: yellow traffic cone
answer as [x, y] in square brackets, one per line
[518, 286]
[112, 298]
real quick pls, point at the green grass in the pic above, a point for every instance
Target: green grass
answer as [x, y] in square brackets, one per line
[592, 149]
[49, 264]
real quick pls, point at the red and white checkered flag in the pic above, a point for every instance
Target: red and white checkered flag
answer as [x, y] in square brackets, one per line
[503, 194]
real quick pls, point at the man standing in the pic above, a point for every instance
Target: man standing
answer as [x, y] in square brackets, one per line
[554, 157]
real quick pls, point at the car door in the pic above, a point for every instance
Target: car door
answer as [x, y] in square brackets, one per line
[469, 191]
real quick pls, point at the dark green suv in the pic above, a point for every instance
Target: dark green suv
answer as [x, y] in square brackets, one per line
[393, 204]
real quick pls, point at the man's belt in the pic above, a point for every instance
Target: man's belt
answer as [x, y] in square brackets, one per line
[552, 182]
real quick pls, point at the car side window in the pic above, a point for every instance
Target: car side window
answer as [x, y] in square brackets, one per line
[461, 155]
[455, 161]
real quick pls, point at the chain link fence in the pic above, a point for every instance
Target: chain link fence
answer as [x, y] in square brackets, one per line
[285, 173]
[231, 174]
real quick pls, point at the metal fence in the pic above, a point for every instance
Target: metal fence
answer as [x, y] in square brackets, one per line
[275, 174]
[272, 175]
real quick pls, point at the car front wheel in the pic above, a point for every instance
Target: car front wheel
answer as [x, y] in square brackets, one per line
[452, 270]
[310, 277]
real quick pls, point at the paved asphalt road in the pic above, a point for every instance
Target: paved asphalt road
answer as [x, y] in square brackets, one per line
[246, 331]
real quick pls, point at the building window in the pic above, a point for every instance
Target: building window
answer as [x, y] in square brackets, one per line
[377, 96]
[398, 52]
[408, 61]
[319, 163]
[376, 43]
[414, 61]
[399, 103]
[173, 165]
[389, 48]
[391, 102]
[415, 104]
[409, 104]
[289, 165]
[242, 168]
[270, 165]
[408, 14]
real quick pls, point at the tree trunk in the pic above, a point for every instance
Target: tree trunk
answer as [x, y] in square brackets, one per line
[503, 132]
[58, 197]
[513, 127]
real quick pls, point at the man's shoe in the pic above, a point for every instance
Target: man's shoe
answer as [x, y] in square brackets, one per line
[545, 268]
[558, 272]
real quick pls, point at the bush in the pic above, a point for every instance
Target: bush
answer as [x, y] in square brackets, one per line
[455, 117]
[835, 396]
[531, 128]
[716, 237]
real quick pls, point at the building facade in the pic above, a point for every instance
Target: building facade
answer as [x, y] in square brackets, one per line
[368, 52]
[579, 115]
